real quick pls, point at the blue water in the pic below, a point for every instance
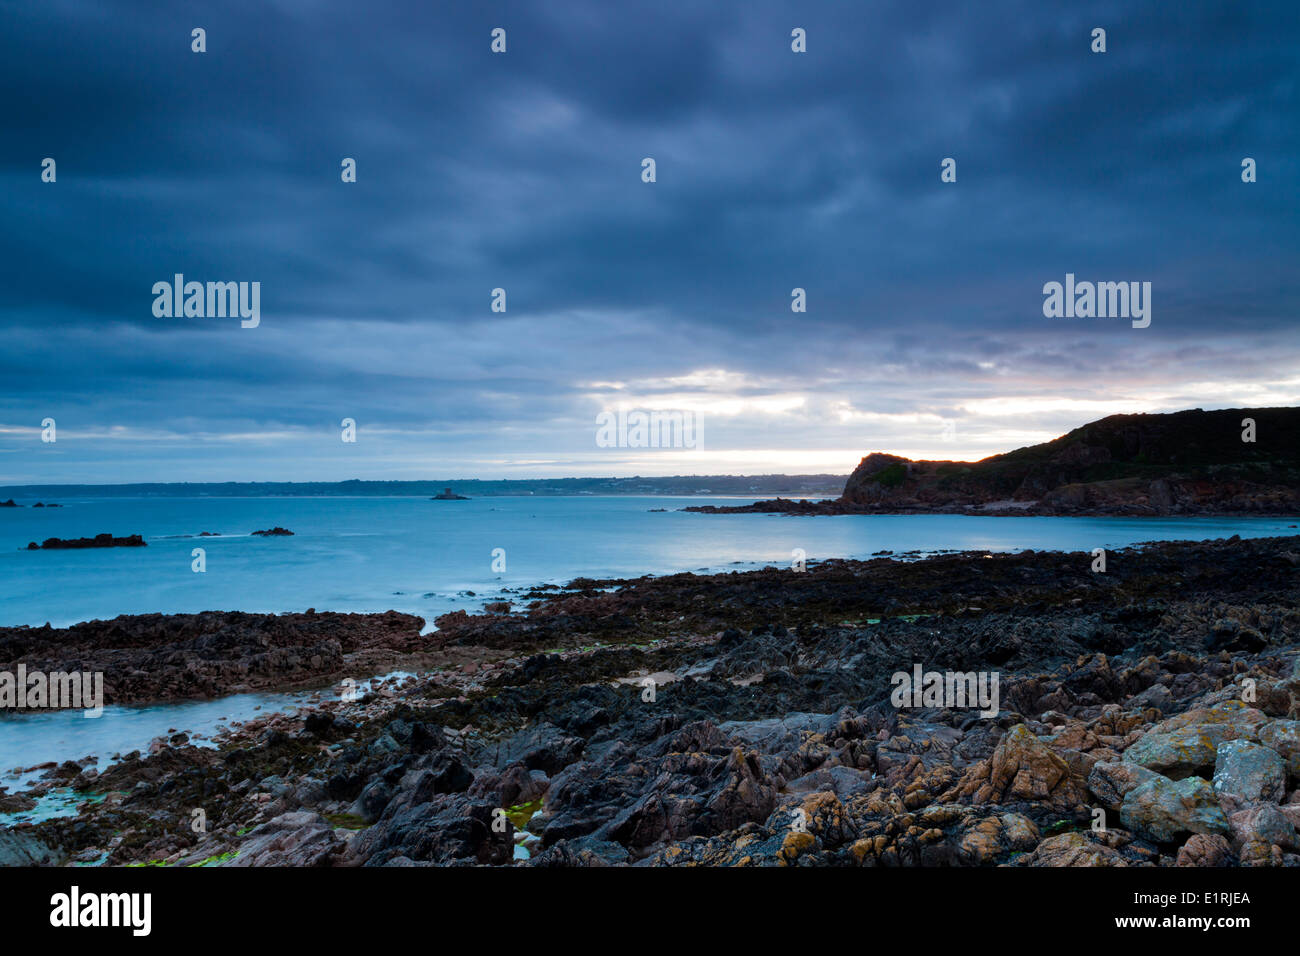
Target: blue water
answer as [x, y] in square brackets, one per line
[421, 556]
[37, 737]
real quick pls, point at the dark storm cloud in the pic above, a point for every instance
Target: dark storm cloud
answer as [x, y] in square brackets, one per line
[775, 170]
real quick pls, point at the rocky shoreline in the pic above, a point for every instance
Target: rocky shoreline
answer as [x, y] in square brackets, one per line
[1148, 717]
[1018, 509]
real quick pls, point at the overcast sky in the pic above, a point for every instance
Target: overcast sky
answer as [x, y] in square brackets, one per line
[924, 333]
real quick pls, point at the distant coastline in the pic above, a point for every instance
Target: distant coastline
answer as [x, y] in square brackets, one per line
[1234, 461]
[675, 485]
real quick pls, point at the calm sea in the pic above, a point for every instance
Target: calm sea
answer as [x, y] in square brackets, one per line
[424, 557]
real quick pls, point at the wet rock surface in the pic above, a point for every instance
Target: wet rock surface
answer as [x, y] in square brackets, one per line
[153, 657]
[749, 720]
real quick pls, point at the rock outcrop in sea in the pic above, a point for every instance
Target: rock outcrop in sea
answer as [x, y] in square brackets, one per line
[98, 541]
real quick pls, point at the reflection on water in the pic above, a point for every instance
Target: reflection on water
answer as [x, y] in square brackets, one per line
[41, 737]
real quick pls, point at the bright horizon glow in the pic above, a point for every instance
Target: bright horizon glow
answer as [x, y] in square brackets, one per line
[254, 456]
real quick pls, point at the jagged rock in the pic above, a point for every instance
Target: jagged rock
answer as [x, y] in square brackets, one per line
[542, 746]
[778, 734]
[435, 774]
[1276, 698]
[1110, 781]
[750, 845]
[17, 802]
[1237, 718]
[940, 835]
[1021, 768]
[441, 829]
[822, 815]
[984, 840]
[1163, 810]
[918, 748]
[584, 851]
[1283, 737]
[669, 808]
[1263, 821]
[1176, 755]
[842, 781]
[1157, 696]
[291, 839]
[1080, 848]
[1261, 853]
[1231, 635]
[1248, 773]
[514, 786]
[1188, 744]
[373, 799]
[26, 849]
[1203, 849]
